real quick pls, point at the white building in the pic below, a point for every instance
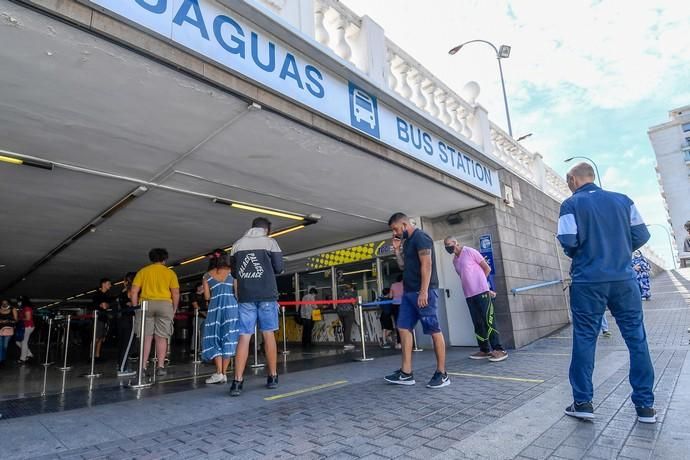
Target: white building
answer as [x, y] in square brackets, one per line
[671, 143]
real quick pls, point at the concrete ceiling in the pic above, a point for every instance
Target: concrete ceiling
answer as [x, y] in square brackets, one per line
[75, 99]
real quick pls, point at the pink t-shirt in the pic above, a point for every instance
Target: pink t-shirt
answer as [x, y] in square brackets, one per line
[472, 276]
[397, 292]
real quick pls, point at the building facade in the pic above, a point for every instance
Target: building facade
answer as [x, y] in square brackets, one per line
[671, 143]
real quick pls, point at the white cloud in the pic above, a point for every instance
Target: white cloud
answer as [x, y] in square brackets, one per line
[615, 179]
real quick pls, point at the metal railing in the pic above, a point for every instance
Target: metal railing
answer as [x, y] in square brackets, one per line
[516, 291]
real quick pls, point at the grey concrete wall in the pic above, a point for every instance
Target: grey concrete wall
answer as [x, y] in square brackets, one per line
[530, 255]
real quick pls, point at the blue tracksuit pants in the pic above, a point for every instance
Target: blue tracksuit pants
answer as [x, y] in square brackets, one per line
[588, 302]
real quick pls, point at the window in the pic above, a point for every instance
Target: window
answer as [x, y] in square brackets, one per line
[686, 127]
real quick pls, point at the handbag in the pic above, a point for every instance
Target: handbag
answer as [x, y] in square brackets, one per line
[6, 331]
[316, 315]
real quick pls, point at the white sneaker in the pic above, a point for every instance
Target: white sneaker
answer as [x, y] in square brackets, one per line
[216, 378]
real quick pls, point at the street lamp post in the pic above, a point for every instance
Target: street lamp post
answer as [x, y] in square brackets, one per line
[670, 242]
[593, 164]
[501, 53]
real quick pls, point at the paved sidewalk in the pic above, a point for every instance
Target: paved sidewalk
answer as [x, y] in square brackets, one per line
[512, 409]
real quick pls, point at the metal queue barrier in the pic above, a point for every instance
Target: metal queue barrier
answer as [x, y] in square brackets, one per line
[360, 309]
[65, 367]
[197, 339]
[414, 342]
[256, 364]
[285, 350]
[93, 374]
[140, 367]
[50, 327]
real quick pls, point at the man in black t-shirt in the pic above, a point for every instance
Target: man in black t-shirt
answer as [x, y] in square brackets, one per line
[414, 251]
[101, 303]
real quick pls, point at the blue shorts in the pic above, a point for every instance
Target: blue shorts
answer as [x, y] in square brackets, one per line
[265, 312]
[410, 313]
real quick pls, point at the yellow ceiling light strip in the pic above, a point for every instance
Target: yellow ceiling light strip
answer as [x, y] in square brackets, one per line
[14, 161]
[192, 260]
[270, 212]
[287, 230]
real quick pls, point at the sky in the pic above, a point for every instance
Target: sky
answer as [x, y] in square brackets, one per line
[585, 78]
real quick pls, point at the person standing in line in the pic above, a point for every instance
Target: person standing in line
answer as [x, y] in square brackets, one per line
[307, 321]
[346, 314]
[158, 285]
[101, 303]
[414, 251]
[598, 230]
[125, 327]
[474, 271]
[396, 294]
[26, 317]
[256, 260]
[198, 302]
[686, 242]
[605, 326]
[386, 319]
[643, 271]
[8, 321]
[221, 330]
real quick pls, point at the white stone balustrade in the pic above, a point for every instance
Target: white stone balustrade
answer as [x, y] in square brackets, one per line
[362, 43]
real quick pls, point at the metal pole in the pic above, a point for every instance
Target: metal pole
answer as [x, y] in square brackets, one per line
[50, 326]
[256, 364]
[414, 342]
[197, 342]
[92, 374]
[505, 98]
[361, 331]
[285, 350]
[140, 374]
[65, 367]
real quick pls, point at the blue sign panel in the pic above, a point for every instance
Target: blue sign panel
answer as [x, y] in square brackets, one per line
[487, 251]
[364, 111]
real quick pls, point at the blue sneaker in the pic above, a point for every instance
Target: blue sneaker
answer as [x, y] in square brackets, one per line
[400, 378]
[439, 380]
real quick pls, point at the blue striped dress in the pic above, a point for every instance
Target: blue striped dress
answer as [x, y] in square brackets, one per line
[222, 326]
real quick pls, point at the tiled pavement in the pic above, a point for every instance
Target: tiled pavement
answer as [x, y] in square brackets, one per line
[505, 410]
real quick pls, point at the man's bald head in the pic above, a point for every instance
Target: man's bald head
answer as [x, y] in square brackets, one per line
[579, 175]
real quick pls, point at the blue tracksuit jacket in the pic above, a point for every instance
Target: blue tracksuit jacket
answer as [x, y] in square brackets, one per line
[600, 230]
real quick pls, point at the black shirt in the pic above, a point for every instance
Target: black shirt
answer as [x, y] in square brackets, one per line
[99, 298]
[124, 306]
[199, 299]
[412, 275]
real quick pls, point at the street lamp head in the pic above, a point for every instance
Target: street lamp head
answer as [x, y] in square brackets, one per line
[568, 159]
[455, 50]
[522, 138]
[504, 51]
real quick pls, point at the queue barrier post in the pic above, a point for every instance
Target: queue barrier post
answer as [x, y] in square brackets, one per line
[92, 374]
[360, 309]
[197, 340]
[65, 367]
[414, 342]
[50, 327]
[256, 364]
[140, 371]
[285, 350]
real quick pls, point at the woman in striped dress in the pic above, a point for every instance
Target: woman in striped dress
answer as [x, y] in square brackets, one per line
[221, 329]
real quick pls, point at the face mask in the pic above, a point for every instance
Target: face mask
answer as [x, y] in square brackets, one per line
[450, 249]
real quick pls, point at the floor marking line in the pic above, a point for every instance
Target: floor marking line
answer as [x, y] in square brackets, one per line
[496, 377]
[305, 390]
[182, 379]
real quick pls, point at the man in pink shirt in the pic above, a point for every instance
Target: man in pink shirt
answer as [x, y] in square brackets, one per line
[473, 271]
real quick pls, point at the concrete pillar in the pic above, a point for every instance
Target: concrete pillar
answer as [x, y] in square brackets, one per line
[539, 171]
[372, 43]
[481, 131]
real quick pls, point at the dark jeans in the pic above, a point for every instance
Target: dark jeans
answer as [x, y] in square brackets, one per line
[125, 341]
[307, 328]
[483, 318]
[588, 303]
[347, 319]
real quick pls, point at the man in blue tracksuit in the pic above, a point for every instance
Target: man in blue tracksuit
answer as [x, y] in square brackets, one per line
[599, 230]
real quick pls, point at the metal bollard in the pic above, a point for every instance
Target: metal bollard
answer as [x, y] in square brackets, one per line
[50, 327]
[414, 342]
[256, 364]
[197, 340]
[361, 332]
[140, 374]
[92, 374]
[65, 367]
[285, 350]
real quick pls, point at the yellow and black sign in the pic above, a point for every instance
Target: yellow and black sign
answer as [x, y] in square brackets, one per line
[359, 253]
